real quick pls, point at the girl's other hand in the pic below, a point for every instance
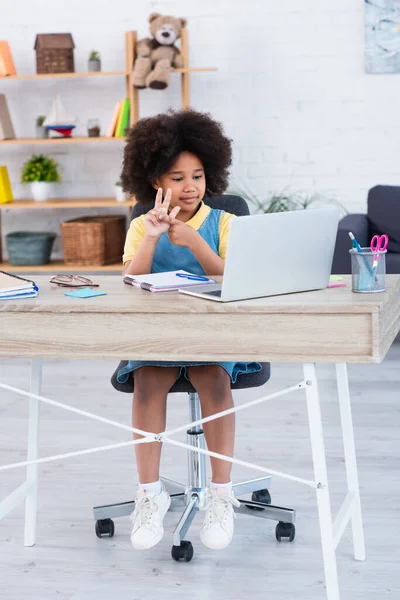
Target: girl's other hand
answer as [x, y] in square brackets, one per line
[155, 221]
[181, 234]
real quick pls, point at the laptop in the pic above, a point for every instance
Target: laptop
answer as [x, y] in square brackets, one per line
[275, 253]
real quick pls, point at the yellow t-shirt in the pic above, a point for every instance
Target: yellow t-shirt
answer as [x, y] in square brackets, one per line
[137, 230]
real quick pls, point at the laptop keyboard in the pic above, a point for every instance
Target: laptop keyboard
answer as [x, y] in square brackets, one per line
[215, 293]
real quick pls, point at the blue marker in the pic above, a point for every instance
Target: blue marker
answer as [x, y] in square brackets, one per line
[359, 249]
[193, 277]
[355, 243]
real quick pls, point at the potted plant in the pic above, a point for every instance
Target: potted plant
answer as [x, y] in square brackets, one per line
[285, 200]
[41, 132]
[94, 63]
[120, 195]
[40, 172]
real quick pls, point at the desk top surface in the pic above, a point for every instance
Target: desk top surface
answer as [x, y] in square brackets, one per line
[331, 325]
[122, 298]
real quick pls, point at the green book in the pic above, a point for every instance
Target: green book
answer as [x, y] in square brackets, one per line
[124, 121]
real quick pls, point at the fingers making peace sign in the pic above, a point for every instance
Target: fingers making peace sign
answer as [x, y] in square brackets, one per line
[156, 220]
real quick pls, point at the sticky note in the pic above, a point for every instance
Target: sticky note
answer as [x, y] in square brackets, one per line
[85, 293]
[335, 278]
[333, 284]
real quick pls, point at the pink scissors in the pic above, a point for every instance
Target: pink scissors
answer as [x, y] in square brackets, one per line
[379, 243]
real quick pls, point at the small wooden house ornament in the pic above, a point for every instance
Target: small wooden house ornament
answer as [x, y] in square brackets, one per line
[54, 53]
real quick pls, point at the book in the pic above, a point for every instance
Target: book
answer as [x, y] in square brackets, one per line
[6, 194]
[14, 287]
[170, 281]
[119, 118]
[124, 123]
[113, 122]
[6, 61]
[123, 118]
[6, 127]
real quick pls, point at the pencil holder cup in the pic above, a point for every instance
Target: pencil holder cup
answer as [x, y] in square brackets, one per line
[368, 271]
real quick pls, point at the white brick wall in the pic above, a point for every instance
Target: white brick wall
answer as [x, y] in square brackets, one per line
[290, 89]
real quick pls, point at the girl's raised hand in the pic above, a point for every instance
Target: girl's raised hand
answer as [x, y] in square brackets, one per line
[155, 219]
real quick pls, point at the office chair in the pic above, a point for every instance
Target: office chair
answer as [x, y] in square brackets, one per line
[192, 495]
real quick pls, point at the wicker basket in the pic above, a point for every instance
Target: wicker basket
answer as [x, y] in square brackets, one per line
[94, 240]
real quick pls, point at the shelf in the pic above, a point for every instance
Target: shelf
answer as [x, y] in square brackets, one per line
[58, 265]
[65, 75]
[67, 203]
[67, 140]
[194, 70]
[96, 74]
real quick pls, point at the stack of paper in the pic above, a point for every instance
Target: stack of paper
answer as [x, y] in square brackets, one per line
[169, 281]
[13, 287]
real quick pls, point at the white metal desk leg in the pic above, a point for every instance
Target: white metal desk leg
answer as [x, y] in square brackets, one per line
[321, 476]
[33, 453]
[350, 458]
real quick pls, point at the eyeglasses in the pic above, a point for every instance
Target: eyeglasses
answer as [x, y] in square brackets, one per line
[72, 281]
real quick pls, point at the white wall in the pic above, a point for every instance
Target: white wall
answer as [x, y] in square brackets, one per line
[290, 89]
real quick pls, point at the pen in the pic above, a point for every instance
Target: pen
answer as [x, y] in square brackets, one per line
[193, 277]
[359, 249]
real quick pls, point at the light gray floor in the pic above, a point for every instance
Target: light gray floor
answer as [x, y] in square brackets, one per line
[70, 563]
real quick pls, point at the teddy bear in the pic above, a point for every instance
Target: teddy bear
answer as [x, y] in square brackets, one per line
[155, 56]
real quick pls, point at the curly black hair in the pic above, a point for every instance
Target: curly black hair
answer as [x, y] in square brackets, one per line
[154, 144]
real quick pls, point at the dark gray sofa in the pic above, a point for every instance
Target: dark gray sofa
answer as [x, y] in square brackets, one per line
[383, 216]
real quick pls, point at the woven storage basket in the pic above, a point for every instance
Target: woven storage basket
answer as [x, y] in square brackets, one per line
[29, 247]
[94, 240]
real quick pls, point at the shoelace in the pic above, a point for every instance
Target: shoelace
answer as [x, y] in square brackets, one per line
[219, 507]
[144, 509]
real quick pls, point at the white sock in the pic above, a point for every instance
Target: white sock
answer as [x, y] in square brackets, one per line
[155, 487]
[214, 486]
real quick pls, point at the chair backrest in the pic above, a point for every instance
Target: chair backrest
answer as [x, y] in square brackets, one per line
[228, 202]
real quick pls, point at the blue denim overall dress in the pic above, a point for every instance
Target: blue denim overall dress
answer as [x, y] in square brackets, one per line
[168, 257]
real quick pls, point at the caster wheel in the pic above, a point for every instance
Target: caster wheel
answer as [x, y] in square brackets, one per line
[182, 552]
[104, 527]
[260, 496]
[285, 530]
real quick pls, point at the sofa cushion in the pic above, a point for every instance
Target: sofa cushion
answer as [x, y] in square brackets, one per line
[392, 263]
[384, 213]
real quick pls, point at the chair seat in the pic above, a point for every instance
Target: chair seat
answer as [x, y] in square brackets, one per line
[247, 380]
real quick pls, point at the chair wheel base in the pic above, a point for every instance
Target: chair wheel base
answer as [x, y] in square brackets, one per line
[260, 496]
[183, 552]
[285, 530]
[104, 528]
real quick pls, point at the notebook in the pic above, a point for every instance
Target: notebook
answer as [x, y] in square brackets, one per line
[169, 281]
[13, 287]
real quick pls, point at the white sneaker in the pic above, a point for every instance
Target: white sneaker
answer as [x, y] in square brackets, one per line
[147, 518]
[217, 529]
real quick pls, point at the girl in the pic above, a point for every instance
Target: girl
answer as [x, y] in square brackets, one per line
[184, 155]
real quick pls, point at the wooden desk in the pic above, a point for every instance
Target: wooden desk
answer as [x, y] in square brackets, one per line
[332, 325]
